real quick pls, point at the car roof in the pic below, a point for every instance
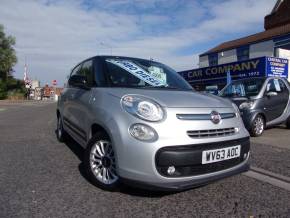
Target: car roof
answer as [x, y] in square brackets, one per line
[102, 57]
[123, 57]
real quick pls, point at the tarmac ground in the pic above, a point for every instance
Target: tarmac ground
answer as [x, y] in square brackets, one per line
[40, 177]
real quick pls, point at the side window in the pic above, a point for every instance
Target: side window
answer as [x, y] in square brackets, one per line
[75, 70]
[100, 78]
[87, 70]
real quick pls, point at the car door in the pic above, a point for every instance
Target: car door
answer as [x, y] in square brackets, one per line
[68, 100]
[275, 99]
[81, 98]
[284, 95]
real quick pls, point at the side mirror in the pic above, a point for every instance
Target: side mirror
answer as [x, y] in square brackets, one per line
[270, 94]
[79, 81]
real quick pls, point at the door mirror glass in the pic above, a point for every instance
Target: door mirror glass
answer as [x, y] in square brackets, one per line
[270, 94]
[79, 81]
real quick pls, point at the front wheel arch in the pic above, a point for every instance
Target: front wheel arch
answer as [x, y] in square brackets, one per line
[96, 128]
[288, 123]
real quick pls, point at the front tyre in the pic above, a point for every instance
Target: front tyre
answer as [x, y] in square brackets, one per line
[288, 123]
[258, 126]
[100, 164]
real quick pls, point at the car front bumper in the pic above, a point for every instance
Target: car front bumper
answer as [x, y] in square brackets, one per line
[148, 169]
[194, 182]
[147, 162]
[187, 160]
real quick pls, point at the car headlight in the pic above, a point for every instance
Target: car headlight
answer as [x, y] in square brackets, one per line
[143, 108]
[246, 105]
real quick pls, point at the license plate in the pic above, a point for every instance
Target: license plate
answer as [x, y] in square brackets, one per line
[216, 155]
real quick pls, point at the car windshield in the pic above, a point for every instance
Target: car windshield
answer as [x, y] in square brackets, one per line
[243, 88]
[137, 73]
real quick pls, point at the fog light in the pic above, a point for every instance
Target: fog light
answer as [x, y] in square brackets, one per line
[237, 129]
[171, 170]
[143, 132]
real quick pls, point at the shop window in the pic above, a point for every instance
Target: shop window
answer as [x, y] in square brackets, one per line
[213, 59]
[243, 53]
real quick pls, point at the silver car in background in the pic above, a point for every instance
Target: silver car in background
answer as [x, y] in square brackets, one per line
[143, 124]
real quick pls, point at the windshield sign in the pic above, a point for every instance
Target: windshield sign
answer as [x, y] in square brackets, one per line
[243, 88]
[145, 74]
[154, 77]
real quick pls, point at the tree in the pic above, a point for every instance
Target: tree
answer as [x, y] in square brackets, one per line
[8, 85]
[7, 55]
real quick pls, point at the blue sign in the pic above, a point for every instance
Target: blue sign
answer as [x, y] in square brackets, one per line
[257, 67]
[277, 67]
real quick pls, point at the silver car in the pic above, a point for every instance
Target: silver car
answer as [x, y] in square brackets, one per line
[142, 124]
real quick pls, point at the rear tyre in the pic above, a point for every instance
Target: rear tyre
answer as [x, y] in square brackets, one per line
[258, 126]
[100, 163]
[60, 132]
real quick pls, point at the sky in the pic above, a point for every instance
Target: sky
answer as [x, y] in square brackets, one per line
[54, 35]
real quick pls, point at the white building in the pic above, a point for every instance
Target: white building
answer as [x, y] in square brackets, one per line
[274, 41]
[35, 84]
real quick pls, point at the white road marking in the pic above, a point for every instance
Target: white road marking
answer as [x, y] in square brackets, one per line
[26, 103]
[269, 177]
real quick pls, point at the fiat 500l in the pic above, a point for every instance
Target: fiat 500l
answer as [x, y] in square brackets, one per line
[143, 124]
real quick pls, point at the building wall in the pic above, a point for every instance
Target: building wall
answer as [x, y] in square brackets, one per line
[257, 50]
[35, 84]
[261, 49]
[227, 56]
[203, 61]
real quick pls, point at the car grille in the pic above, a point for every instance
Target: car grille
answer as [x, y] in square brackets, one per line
[203, 116]
[211, 133]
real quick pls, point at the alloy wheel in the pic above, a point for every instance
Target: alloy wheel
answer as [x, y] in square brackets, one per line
[102, 162]
[259, 125]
